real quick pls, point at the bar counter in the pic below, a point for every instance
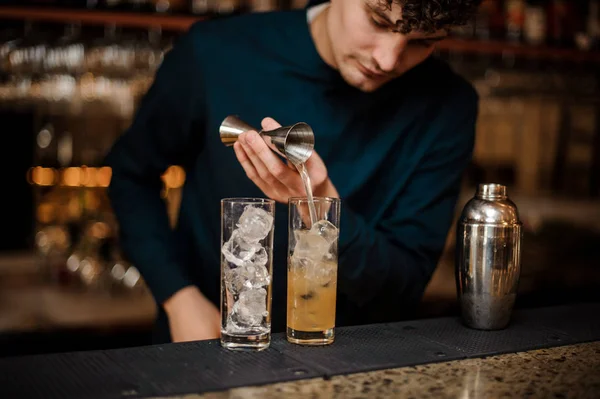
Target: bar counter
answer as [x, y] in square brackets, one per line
[571, 371]
[544, 352]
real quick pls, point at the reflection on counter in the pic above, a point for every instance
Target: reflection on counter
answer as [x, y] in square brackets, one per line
[561, 372]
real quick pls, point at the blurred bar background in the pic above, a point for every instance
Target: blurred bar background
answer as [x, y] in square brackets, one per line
[73, 71]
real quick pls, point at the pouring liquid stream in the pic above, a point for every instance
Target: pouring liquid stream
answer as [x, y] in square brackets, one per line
[308, 188]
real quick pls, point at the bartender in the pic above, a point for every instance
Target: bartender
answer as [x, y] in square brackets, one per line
[394, 130]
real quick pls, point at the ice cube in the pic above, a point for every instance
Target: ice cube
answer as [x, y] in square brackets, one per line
[298, 234]
[302, 265]
[314, 271]
[235, 280]
[311, 246]
[250, 309]
[254, 224]
[258, 275]
[249, 276]
[238, 251]
[260, 257]
[323, 274]
[325, 229]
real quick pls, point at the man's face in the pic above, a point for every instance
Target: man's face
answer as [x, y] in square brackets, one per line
[367, 47]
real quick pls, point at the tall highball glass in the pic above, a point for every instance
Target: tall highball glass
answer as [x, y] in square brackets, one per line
[312, 271]
[246, 267]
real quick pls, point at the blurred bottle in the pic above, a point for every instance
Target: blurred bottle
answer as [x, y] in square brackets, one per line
[489, 20]
[81, 3]
[535, 29]
[64, 149]
[46, 146]
[140, 5]
[110, 4]
[200, 7]
[466, 31]
[297, 4]
[227, 7]
[592, 24]
[515, 20]
[60, 3]
[562, 21]
[216, 8]
[129, 5]
[170, 5]
[263, 5]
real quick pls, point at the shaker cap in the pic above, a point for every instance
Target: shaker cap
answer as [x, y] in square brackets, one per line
[491, 205]
[491, 191]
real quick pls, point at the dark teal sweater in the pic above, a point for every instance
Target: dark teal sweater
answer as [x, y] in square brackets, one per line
[396, 157]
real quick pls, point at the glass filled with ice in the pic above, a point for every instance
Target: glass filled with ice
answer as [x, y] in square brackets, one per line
[246, 267]
[312, 270]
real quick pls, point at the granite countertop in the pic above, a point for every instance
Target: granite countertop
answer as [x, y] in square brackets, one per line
[559, 372]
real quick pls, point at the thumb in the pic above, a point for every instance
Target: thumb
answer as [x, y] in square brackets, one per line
[270, 124]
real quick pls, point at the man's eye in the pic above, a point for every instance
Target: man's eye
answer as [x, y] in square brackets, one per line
[378, 24]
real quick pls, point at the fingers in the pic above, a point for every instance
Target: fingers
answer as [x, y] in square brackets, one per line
[291, 165]
[244, 160]
[276, 178]
[267, 164]
[269, 124]
[250, 169]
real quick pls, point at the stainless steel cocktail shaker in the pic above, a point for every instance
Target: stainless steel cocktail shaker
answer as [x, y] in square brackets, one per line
[488, 258]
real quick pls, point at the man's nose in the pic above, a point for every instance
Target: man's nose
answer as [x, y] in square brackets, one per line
[389, 50]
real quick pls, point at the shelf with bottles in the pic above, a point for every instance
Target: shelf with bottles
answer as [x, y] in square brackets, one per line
[503, 48]
[553, 30]
[176, 23]
[165, 7]
[519, 28]
[75, 69]
[172, 15]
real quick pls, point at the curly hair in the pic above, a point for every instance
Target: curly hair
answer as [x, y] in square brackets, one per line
[432, 15]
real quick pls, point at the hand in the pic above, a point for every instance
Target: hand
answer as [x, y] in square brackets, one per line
[192, 317]
[277, 180]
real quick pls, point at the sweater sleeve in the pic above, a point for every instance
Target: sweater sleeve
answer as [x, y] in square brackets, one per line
[385, 266]
[166, 131]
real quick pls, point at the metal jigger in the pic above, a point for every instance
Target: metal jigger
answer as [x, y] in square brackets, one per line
[294, 142]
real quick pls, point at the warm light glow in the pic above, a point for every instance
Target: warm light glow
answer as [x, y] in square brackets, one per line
[74, 208]
[103, 176]
[71, 177]
[84, 176]
[46, 213]
[174, 177]
[100, 230]
[87, 176]
[42, 176]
